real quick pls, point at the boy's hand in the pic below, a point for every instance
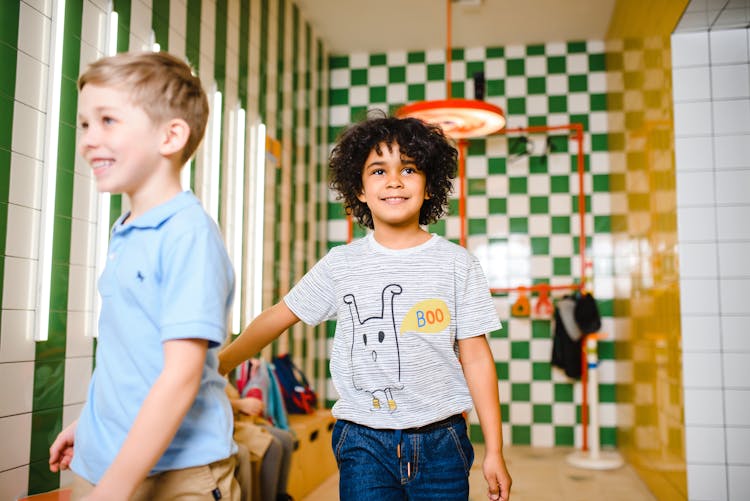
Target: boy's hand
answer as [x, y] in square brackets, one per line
[497, 476]
[250, 406]
[61, 450]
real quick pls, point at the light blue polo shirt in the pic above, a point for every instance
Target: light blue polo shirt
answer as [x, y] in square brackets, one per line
[167, 277]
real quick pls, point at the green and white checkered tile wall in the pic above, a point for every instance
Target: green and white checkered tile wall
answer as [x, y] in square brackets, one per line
[522, 203]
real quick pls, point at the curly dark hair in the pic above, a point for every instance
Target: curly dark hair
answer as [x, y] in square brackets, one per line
[425, 143]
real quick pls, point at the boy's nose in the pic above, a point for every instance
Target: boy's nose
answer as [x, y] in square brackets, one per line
[394, 180]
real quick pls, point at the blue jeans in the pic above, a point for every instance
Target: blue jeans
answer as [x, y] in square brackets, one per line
[390, 465]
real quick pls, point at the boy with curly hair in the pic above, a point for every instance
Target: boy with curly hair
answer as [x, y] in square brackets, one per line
[409, 355]
[156, 424]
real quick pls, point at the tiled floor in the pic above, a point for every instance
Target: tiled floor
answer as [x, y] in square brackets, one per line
[541, 475]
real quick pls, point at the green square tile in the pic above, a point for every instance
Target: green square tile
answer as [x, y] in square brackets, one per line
[535, 50]
[495, 88]
[608, 436]
[49, 381]
[438, 227]
[599, 142]
[475, 433]
[574, 203]
[518, 185]
[598, 102]
[497, 206]
[516, 106]
[518, 225]
[520, 392]
[9, 20]
[578, 83]
[541, 329]
[602, 224]
[520, 350]
[435, 72]
[477, 186]
[458, 90]
[537, 121]
[576, 47]
[597, 62]
[561, 225]
[580, 119]
[378, 94]
[558, 144]
[564, 436]
[561, 266]
[477, 226]
[606, 349]
[563, 392]
[477, 147]
[607, 393]
[457, 54]
[334, 132]
[541, 371]
[515, 67]
[377, 59]
[502, 370]
[557, 104]
[338, 97]
[574, 163]
[520, 434]
[537, 164]
[494, 52]
[336, 210]
[358, 113]
[338, 62]
[540, 246]
[600, 183]
[556, 65]
[397, 74]
[416, 92]
[415, 57]
[358, 76]
[4, 179]
[496, 165]
[559, 184]
[542, 413]
[474, 67]
[539, 205]
[7, 78]
[536, 85]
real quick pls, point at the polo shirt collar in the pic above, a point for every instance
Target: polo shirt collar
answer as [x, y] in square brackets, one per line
[157, 215]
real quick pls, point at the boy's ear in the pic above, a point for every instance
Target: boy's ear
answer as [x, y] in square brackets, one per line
[176, 133]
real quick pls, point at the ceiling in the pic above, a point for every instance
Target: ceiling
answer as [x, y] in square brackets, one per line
[348, 26]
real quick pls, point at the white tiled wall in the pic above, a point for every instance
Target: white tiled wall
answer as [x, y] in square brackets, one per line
[712, 149]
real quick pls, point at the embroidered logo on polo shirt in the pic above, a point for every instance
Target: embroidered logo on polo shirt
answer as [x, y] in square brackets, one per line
[140, 276]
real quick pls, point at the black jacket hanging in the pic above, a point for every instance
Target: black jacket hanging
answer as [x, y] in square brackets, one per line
[566, 353]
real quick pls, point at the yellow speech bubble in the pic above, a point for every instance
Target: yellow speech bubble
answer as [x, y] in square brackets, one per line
[428, 316]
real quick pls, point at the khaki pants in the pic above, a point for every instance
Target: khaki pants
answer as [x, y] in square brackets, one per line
[189, 484]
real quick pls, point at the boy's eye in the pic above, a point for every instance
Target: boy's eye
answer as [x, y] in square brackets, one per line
[378, 172]
[108, 120]
[83, 125]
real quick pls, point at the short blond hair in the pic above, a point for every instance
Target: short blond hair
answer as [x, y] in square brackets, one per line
[161, 84]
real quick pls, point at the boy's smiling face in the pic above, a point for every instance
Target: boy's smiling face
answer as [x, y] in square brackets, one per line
[117, 139]
[393, 187]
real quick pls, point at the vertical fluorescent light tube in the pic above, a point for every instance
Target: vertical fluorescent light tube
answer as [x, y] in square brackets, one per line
[102, 213]
[44, 268]
[237, 218]
[215, 163]
[258, 214]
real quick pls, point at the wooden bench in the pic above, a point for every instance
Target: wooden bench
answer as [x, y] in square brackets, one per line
[312, 460]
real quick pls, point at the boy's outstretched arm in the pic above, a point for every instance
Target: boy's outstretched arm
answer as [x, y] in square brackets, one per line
[62, 449]
[261, 331]
[481, 378]
[157, 421]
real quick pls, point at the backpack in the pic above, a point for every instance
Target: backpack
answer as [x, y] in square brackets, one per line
[299, 398]
[260, 375]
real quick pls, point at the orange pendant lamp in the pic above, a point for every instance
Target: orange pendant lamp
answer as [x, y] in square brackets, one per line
[459, 118]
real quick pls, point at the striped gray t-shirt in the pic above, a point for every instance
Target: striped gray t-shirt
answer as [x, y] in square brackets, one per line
[399, 314]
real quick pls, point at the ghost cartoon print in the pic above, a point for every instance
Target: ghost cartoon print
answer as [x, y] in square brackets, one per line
[375, 358]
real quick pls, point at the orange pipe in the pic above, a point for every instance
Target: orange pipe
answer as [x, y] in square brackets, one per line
[448, 54]
[462, 143]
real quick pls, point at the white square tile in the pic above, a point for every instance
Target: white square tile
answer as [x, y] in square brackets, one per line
[739, 486]
[689, 49]
[704, 407]
[15, 433]
[733, 260]
[80, 288]
[695, 188]
[691, 84]
[17, 342]
[698, 260]
[732, 151]
[693, 153]
[728, 46]
[738, 445]
[14, 483]
[93, 25]
[31, 81]
[520, 413]
[734, 333]
[17, 390]
[733, 187]
[701, 370]
[19, 284]
[737, 404]
[731, 81]
[28, 131]
[542, 392]
[701, 333]
[77, 377]
[542, 435]
[78, 340]
[692, 118]
[705, 444]
[23, 232]
[731, 116]
[696, 224]
[732, 222]
[735, 370]
[25, 181]
[33, 33]
[707, 481]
